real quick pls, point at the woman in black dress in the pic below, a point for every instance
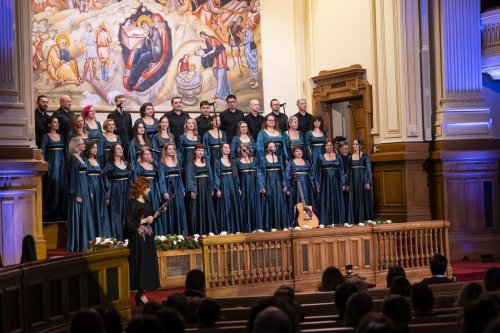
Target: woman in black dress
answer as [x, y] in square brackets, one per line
[144, 273]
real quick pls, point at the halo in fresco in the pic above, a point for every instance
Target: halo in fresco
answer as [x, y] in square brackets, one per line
[149, 51]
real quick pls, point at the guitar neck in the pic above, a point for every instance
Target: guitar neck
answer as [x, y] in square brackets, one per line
[299, 184]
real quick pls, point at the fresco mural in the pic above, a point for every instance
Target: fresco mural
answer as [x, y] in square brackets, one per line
[149, 51]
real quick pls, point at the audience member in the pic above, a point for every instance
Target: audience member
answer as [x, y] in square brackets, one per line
[176, 301]
[360, 285]
[191, 311]
[111, 319]
[470, 292]
[171, 320]
[375, 323]
[438, 266]
[141, 324]
[398, 309]
[151, 307]
[422, 299]
[272, 319]
[342, 294]
[195, 284]
[263, 304]
[332, 277]
[492, 279]
[87, 320]
[358, 305]
[208, 312]
[287, 293]
[494, 326]
[476, 316]
[400, 286]
[393, 272]
[28, 249]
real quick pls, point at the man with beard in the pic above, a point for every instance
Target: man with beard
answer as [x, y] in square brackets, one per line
[123, 123]
[41, 118]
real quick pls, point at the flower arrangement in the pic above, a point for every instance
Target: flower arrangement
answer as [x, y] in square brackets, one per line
[106, 243]
[177, 242]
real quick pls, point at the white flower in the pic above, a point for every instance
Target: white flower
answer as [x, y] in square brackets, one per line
[321, 226]
[223, 233]
[196, 236]
[284, 229]
[180, 237]
[347, 225]
[174, 242]
[260, 230]
[98, 240]
[273, 230]
[211, 234]
[388, 221]
[163, 238]
[196, 240]
[297, 228]
[361, 224]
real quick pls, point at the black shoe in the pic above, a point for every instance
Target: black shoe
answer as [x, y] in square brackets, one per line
[138, 301]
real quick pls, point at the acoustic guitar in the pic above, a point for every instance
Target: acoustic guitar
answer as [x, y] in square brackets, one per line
[306, 215]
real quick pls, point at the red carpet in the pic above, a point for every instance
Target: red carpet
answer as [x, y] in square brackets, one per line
[471, 270]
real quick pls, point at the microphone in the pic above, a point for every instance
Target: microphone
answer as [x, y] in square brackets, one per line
[282, 104]
[213, 103]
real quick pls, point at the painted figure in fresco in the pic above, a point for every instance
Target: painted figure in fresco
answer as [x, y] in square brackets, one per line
[61, 66]
[209, 14]
[103, 42]
[235, 30]
[88, 43]
[38, 49]
[83, 6]
[214, 56]
[252, 56]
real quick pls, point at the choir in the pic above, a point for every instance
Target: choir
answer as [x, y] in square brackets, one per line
[212, 185]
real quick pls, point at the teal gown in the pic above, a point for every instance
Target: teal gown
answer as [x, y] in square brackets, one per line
[185, 151]
[213, 147]
[228, 206]
[295, 142]
[100, 210]
[151, 130]
[133, 152]
[55, 181]
[105, 147]
[276, 208]
[202, 213]
[305, 175]
[331, 197]
[315, 146]
[117, 185]
[157, 143]
[252, 201]
[81, 225]
[175, 216]
[95, 134]
[263, 138]
[236, 143]
[360, 200]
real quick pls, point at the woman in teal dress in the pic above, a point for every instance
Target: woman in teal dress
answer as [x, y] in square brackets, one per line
[300, 170]
[360, 180]
[81, 225]
[96, 183]
[200, 188]
[117, 177]
[252, 189]
[332, 185]
[161, 138]
[293, 137]
[55, 181]
[213, 140]
[146, 167]
[148, 119]
[187, 143]
[175, 218]
[271, 133]
[242, 136]
[140, 140]
[92, 125]
[78, 130]
[276, 209]
[228, 192]
[108, 139]
[315, 139]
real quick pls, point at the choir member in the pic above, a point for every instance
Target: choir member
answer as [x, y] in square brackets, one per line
[177, 118]
[254, 119]
[143, 263]
[161, 138]
[92, 125]
[41, 119]
[293, 137]
[276, 210]
[187, 143]
[271, 133]
[242, 136]
[96, 183]
[252, 188]
[200, 188]
[228, 192]
[304, 117]
[148, 119]
[213, 141]
[78, 129]
[116, 183]
[332, 186]
[345, 154]
[360, 179]
[81, 225]
[55, 181]
[123, 123]
[314, 140]
[203, 120]
[170, 167]
[146, 167]
[140, 140]
[230, 117]
[108, 139]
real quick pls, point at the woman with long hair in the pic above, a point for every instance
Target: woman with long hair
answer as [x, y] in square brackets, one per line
[270, 133]
[143, 261]
[276, 210]
[117, 176]
[146, 167]
[170, 167]
[148, 119]
[242, 136]
[360, 180]
[314, 140]
[228, 192]
[96, 183]
[92, 125]
[332, 184]
[294, 137]
[81, 226]
[252, 189]
[200, 187]
[161, 138]
[140, 140]
[55, 181]
[187, 143]
[213, 140]
[108, 139]
[78, 129]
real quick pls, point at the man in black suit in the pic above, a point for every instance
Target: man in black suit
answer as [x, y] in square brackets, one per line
[254, 119]
[203, 120]
[230, 118]
[177, 118]
[41, 119]
[303, 117]
[281, 118]
[64, 115]
[123, 123]
[438, 266]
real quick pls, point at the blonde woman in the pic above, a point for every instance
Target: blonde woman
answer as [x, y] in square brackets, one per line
[108, 139]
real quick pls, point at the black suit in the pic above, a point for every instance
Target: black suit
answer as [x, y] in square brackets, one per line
[41, 125]
[229, 122]
[123, 128]
[203, 124]
[254, 124]
[65, 118]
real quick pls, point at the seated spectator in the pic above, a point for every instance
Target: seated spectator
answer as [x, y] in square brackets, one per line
[28, 253]
[469, 292]
[332, 277]
[422, 299]
[87, 320]
[171, 320]
[195, 284]
[400, 286]
[140, 324]
[375, 323]
[191, 311]
[358, 305]
[208, 313]
[279, 303]
[492, 279]
[287, 293]
[111, 319]
[361, 285]
[176, 301]
[151, 307]
[393, 272]
[398, 309]
[272, 319]
[477, 315]
[439, 264]
[493, 327]
[342, 294]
